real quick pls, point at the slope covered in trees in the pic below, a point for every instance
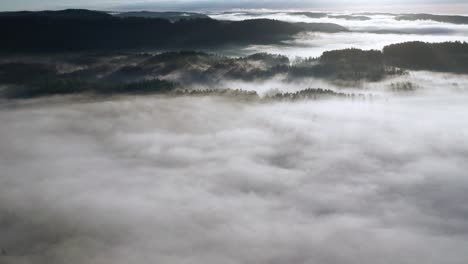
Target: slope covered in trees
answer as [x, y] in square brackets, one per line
[171, 16]
[447, 57]
[83, 30]
[136, 72]
[438, 18]
[63, 14]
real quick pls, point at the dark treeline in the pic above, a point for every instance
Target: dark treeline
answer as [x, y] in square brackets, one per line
[324, 15]
[83, 30]
[306, 94]
[63, 14]
[310, 14]
[309, 93]
[439, 18]
[373, 65]
[351, 17]
[171, 16]
[403, 87]
[161, 87]
[447, 57]
[347, 64]
[51, 87]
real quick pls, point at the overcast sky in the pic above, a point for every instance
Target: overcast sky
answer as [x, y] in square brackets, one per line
[447, 6]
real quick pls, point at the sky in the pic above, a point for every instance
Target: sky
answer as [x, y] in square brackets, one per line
[445, 6]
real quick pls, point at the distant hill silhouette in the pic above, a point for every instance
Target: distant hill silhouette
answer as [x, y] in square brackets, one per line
[437, 18]
[310, 14]
[350, 17]
[322, 27]
[83, 30]
[67, 13]
[171, 16]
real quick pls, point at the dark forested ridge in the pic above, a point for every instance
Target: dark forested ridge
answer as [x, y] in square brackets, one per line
[443, 57]
[123, 73]
[130, 73]
[351, 17]
[171, 16]
[64, 14]
[133, 72]
[83, 30]
[322, 27]
[311, 14]
[437, 18]
[447, 57]
[345, 65]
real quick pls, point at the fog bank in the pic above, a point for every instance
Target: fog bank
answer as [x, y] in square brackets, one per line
[216, 180]
[375, 33]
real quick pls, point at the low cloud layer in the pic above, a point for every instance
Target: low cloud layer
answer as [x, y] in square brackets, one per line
[213, 180]
[380, 30]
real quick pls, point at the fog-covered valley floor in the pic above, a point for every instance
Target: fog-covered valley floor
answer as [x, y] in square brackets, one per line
[218, 180]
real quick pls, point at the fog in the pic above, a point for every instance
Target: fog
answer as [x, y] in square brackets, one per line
[375, 22]
[204, 179]
[219, 180]
[379, 31]
[314, 44]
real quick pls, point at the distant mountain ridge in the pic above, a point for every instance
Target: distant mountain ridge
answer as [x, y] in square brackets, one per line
[171, 16]
[67, 13]
[84, 30]
[438, 18]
